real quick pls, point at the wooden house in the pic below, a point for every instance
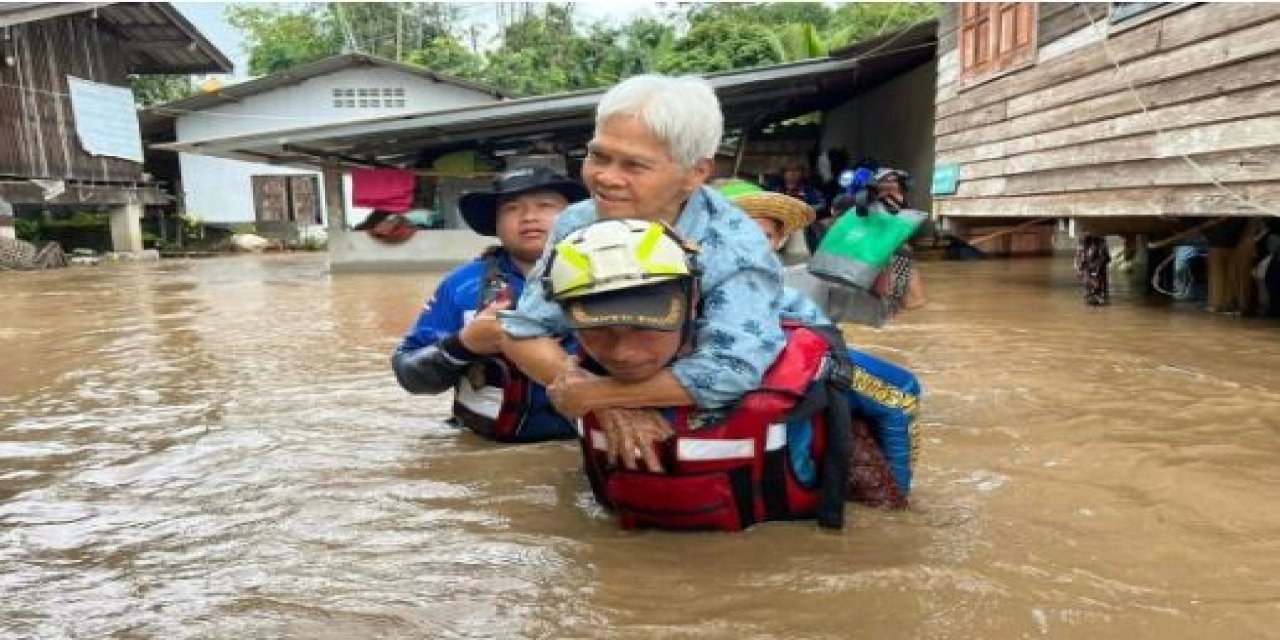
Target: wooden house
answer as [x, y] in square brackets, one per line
[43, 47]
[1123, 118]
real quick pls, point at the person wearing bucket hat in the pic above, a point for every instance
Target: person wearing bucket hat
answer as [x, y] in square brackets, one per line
[457, 341]
[480, 208]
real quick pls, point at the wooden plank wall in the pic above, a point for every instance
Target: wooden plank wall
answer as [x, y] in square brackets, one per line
[35, 108]
[1066, 137]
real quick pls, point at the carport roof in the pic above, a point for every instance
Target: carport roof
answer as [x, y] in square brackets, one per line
[156, 38]
[750, 97]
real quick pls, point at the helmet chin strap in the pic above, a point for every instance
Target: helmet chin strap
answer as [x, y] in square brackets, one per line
[688, 331]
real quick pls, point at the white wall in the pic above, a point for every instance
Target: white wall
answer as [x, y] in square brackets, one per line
[892, 123]
[437, 249]
[220, 190]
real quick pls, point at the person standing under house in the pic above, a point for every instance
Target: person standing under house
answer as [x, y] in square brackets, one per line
[903, 286]
[898, 284]
[1091, 261]
[457, 342]
[794, 185]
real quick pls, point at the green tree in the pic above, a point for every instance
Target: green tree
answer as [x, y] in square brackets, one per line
[158, 89]
[861, 20]
[536, 54]
[390, 29]
[799, 41]
[762, 13]
[445, 55]
[723, 45]
[543, 49]
[278, 39]
[640, 46]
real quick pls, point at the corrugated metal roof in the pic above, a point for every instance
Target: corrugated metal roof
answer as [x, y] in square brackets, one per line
[295, 75]
[748, 97]
[159, 39]
[12, 13]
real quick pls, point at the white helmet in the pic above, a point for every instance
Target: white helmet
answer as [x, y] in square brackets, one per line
[611, 255]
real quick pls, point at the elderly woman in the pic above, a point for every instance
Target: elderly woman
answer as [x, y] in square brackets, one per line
[650, 157]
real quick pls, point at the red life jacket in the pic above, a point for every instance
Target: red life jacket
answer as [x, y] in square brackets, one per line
[493, 399]
[733, 474]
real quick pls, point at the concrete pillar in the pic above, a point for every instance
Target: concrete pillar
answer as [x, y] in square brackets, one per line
[335, 202]
[126, 228]
[1064, 236]
[6, 220]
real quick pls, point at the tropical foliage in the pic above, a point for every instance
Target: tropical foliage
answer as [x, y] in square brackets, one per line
[544, 48]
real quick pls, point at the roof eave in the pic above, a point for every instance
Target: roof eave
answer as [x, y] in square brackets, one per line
[221, 64]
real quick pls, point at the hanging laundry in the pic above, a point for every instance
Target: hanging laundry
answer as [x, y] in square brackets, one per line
[389, 190]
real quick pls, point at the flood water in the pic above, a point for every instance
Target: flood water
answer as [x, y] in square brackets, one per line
[217, 449]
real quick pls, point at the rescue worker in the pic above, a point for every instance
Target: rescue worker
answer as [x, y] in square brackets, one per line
[457, 342]
[630, 292]
[650, 156]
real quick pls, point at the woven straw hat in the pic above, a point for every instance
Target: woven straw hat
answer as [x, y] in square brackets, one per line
[792, 213]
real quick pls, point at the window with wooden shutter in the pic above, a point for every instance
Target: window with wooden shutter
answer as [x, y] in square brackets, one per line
[1121, 11]
[995, 37]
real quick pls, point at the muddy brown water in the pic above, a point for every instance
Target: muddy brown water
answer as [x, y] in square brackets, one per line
[217, 449]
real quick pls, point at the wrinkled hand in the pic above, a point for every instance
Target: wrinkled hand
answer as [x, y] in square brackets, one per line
[633, 434]
[570, 392]
[484, 335]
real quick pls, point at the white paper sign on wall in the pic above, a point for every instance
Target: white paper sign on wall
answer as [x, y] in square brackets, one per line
[106, 120]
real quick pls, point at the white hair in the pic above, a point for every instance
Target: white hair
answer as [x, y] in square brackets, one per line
[683, 112]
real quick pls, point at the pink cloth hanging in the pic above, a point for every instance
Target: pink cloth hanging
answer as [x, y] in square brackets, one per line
[389, 190]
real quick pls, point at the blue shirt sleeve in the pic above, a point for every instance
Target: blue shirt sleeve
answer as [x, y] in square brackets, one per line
[800, 308]
[535, 316]
[441, 317]
[739, 335]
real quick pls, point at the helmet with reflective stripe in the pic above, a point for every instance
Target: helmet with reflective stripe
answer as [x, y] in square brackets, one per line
[611, 255]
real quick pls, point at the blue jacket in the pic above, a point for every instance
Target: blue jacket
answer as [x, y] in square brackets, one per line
[432, 359]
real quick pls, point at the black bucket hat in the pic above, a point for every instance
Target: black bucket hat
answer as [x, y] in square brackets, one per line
[480, 208]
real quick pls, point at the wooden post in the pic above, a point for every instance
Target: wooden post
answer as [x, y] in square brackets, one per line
[335, 204]
[1219, 264]
[742, 150]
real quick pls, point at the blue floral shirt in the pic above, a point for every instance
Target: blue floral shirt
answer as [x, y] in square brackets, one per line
[798, 307]
[738, 334]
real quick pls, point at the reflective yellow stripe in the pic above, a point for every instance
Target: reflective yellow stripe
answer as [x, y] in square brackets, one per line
[648, 243]
[644, 255]
[580, 263]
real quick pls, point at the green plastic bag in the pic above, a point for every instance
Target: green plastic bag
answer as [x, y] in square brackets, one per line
[856, 248]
